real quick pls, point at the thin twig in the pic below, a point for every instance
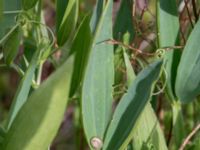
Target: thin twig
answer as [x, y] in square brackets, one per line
[188, 138]
[138, 51]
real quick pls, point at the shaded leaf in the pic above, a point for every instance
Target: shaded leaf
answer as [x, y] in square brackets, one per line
[168, 34]
[1, 9]
[96, 15]
[188, 81]
[61, 6]
[68, 24]
[124, 22]
[81, 46]
[11, 45]
[130, 107]
[8, 20]
[28, 4]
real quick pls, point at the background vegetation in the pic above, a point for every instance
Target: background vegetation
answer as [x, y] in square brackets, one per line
[102, 74]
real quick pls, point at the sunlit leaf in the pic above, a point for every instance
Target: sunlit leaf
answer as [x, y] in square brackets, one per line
[41, 116]
[98, 79]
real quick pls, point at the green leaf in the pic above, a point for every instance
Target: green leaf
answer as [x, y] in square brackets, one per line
[124, 22]
[2, 134]
[168, 34]
[129, 69]
[188, 81]
[130, 107]
[98, 79]
[1, 9]
[28, 4]
[147, 131]
[42, 114]
[97, 15]
[61, 6]
[8, 20]
[81, 46]
[23, 89]
[178, 124]
[11, 45]
[68, 24]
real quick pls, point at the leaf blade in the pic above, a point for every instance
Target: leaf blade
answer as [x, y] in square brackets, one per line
[45, 105]
[98, 79]
[188, 82]
[121, 124]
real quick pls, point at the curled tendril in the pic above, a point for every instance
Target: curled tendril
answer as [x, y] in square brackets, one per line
[160, 53]
[164, 85]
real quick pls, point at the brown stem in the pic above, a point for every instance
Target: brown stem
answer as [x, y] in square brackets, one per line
[188, 12]
[170, 132]
[188, 138]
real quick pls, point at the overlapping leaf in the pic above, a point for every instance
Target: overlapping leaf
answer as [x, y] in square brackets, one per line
[147, 132]
[130, 107]
[188, 81]
[66, 27]
[98, 79]
[11, 45]
[23, 89]
[41, 115]
[81, 46]
[168, 34]
[28, 4]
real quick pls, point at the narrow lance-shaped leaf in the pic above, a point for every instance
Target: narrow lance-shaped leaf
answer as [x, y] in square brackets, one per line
[8, 20]
[188, 81]
[68, 24]
[81, 46]
[42, 114]
[61, 6]
[129, 69]
[98, 79]
[28, 4]
[96, 15]
[23, 89]
[178, 124]
[124, 22]
[11, 45]
[168, 34]
[123, 25]
[130, 107]
[147, 133]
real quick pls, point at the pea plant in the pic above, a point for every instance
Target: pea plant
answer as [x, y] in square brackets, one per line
[100, 75]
